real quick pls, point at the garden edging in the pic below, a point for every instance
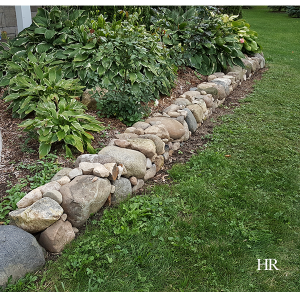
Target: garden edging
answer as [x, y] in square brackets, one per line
[56, 209]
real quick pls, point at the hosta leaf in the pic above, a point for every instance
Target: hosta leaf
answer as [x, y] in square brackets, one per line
[20, 41]
[4, 81]
[89, 46]
[61, 40]
[52, 75]
[77, 126]
[106, 62]
[80, 57]
[92, 127]
[40, 30]
[12, 96]
[132, 77]
[43, 47]
[90, 149]
[44, 149]
[28, 123]
[31, 57]
[68, 151]
[49, 34]
[75, 14]
[39, 73]
[40, 21]
[61, 134]
[65, 128]
[238, 61]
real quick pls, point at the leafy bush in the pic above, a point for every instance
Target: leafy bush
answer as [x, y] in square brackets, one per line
[63, 121]
[125, 104]
[198, 32]
[30, 81]
[232, 10]
[293, 11]
[277, 8]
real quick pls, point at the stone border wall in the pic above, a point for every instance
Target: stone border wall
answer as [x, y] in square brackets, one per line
[56, 209]
[8, 20]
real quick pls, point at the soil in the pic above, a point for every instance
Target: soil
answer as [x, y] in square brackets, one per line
[18, 147]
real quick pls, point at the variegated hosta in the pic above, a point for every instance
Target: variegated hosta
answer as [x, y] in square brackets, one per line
[64, 121]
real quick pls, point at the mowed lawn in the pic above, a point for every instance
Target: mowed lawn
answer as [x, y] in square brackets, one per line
[207, 231]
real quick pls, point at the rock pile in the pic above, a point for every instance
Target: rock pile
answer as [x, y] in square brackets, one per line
[56, 209]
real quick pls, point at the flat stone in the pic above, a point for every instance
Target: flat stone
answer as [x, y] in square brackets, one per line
[159, 162]
[173, 114]
[172, 107]
[174, 128]
[176, 146]
[137, 131]
[208, 99]
[211, 77]
[134, 161]
[20, 254]
[87, 167]
[113, 189]
[166, 158]
[208, 87]
[64, 217]
[93, 158]
[148, 163]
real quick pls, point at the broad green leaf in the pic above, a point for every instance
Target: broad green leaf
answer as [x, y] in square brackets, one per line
[68, 151]
[40, 30]
[61, 134]
[132, 77]
[89, 46]
[65, 128]
[43, 47]
[20, 41]
[52, 75]
[80, 57]
[92, 127]
[39, 73]
[49, 34]
[12, 96]
[75, 14]
[31, 57]
[90, 149]
[44, 149]
[4, 81]
[77, 126]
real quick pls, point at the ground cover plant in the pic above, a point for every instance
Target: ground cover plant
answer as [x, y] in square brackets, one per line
[231, 204]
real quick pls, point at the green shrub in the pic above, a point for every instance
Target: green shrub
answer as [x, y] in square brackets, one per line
[232, 10]
[125, 104]
[64, 121]
[200, 37]
[30, 81]
[293, 11]
[277, 8]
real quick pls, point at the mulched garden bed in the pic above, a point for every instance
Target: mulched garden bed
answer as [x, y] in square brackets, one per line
[18, 147]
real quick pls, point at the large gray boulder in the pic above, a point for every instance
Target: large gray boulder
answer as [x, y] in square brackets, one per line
[134, 161]
[84, 195]
[122, 191]
[159, 144]
[20, 253]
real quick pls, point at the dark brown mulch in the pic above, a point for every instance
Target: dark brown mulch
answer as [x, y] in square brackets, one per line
[16, 150]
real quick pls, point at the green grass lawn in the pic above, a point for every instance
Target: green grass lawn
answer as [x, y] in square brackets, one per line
[206, 232]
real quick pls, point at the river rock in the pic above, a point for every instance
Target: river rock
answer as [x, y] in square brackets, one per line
[191, 95]
[208, 87]
[134, 161]
[126, 136]
[159, 162]
[100, 171]
[20, 254]
[53, 185]
[64, 180]
[172, 107]
[190, 120]
[75, 172]
[197, 112]
[182, 101]
[84, 196]
[159, 144]
[121, 143]
[122, 191]
[175, 129]
[93, 158]
[140, 184]
[37, 216]
[140, 124]
[63, 172]
[159, 130]
[57, 236]
[113, 170]
[150, 173]
[145, 146]
[30, 198]
[55, 195]
[134, 130]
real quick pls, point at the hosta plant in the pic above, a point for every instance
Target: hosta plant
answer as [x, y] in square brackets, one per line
[31, 81]
[63, 121]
